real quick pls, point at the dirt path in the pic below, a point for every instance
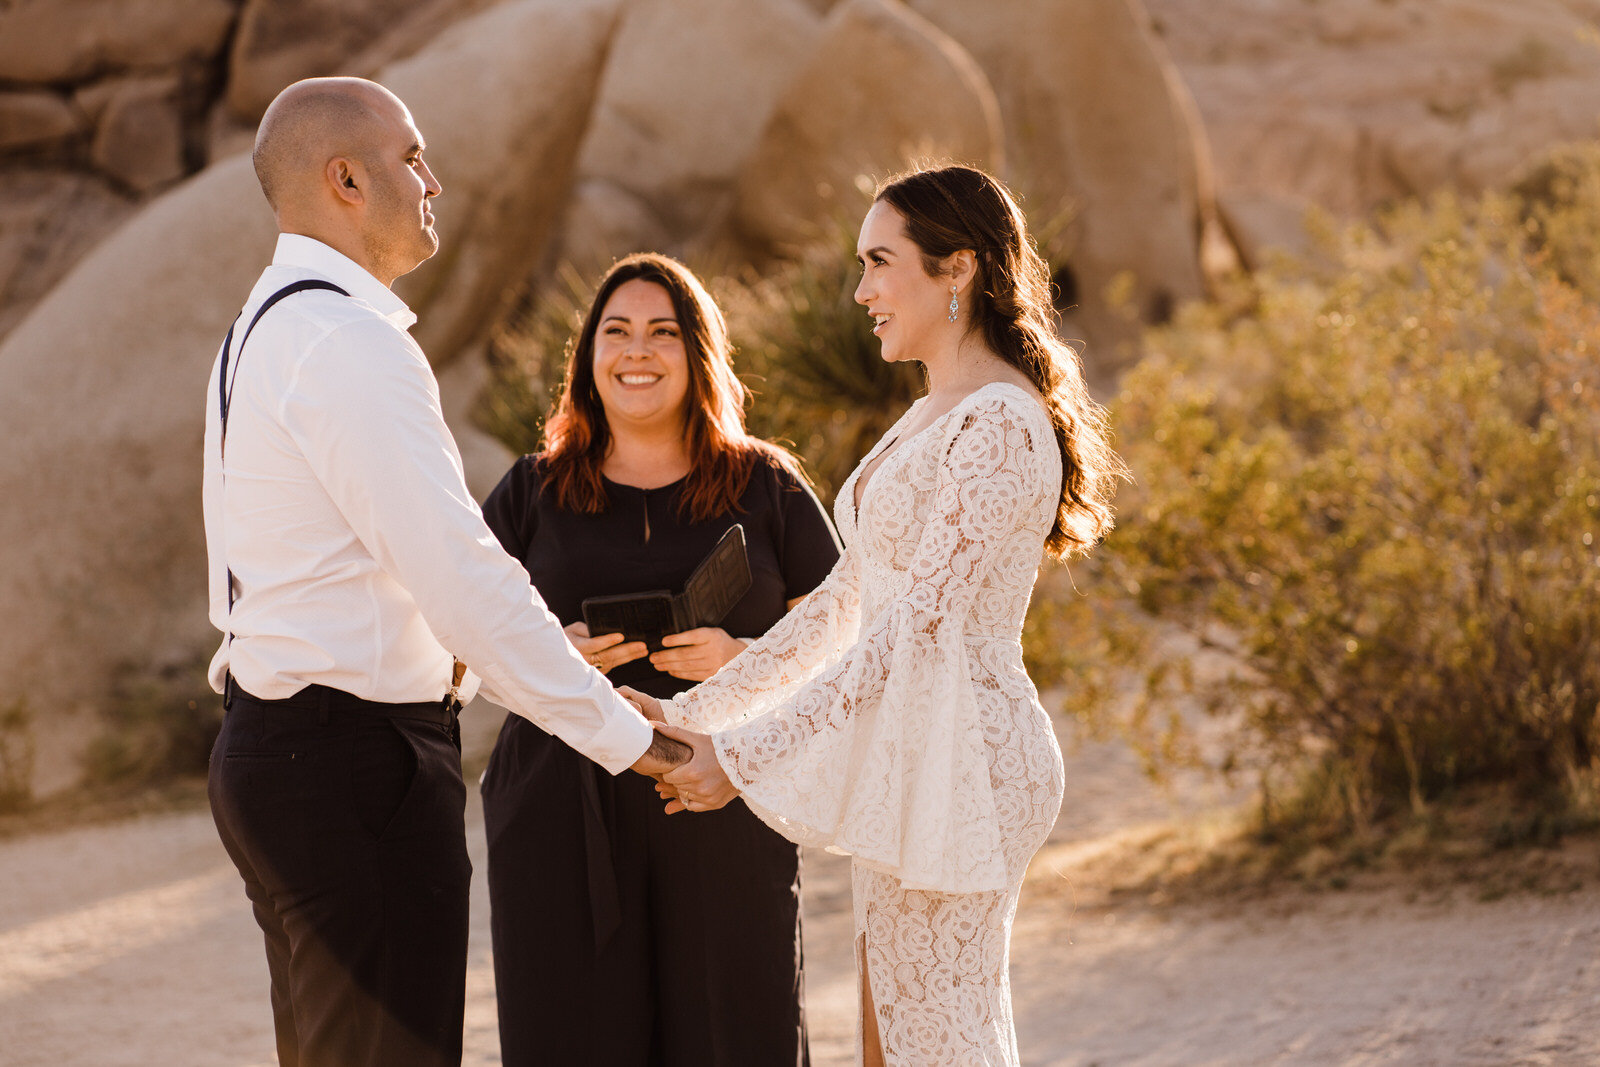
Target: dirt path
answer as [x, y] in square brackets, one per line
[130, 945]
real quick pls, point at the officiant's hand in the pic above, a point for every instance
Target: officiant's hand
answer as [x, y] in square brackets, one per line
[607, 650]
[696, 655]
[699, 784]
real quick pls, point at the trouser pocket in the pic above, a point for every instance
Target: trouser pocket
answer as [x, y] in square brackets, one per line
[383, 771]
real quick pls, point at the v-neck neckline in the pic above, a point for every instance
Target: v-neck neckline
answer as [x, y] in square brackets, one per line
[880, 455]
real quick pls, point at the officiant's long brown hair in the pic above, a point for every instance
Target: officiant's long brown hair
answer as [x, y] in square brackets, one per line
[952, 209]
[722, 455]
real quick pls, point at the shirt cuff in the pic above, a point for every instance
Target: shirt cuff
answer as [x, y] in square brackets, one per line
[622, 740]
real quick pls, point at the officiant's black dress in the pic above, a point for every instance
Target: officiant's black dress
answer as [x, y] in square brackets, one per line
[624, 936]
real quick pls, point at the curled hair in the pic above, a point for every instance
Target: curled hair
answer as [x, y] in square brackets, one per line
[722, 455]
[952, 209]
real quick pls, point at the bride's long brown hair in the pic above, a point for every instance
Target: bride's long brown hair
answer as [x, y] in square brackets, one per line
[952, 209]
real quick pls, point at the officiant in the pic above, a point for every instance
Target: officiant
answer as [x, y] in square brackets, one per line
[624, 937]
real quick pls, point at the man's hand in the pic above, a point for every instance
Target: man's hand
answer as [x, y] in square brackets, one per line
[664, 754]
[648, 705]
[699, 784]
[606, 651]
[696, 655]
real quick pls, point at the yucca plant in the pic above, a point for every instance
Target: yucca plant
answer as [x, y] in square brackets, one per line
[807, 351]
[528, 357]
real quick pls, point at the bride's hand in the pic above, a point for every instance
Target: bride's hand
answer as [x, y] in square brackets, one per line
[648, 705]
[699, 784]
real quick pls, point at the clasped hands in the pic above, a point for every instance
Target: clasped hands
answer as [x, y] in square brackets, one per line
[698, 784]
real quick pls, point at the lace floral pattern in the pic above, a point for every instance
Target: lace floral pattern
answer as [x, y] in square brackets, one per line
[889, 717]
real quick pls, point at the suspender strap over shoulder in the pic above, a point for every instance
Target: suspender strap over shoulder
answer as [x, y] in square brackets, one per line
[225, 384]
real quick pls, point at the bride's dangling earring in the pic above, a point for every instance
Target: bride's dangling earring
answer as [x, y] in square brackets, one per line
[955, 305]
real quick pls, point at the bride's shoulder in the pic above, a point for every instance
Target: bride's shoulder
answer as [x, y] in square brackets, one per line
[1008, 400]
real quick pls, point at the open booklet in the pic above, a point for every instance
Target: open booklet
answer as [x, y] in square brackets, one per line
[717, 584]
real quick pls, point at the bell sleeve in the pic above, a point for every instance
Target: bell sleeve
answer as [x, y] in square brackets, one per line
[796, 648]
[881, 754]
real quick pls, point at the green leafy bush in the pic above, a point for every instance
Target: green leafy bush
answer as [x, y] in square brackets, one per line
[1372, 483]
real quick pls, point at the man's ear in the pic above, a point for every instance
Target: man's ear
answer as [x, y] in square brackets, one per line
[346, 179]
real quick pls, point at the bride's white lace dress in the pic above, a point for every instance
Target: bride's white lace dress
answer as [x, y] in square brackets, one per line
[889, 717]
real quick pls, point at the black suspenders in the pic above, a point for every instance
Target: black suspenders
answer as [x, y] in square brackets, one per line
[225, 387]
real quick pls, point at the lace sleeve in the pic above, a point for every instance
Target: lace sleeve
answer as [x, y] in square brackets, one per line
[795, 649]
[882, 755]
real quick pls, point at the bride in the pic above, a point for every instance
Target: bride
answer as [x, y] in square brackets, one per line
[889, 715]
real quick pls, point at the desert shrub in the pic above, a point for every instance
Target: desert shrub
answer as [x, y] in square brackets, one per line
[155, 727]
[1372, 482]
[806, 350]
[528, 356]
[16, 755]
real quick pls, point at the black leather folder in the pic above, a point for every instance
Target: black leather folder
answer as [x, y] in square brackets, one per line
[718, 583]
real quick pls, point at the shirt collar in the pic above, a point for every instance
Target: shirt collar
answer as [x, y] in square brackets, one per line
[307, 253]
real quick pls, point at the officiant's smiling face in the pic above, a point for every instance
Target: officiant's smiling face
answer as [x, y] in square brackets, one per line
[641, 365]
[907, 304]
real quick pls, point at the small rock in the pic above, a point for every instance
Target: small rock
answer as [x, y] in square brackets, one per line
[139, 141]
[36, 121]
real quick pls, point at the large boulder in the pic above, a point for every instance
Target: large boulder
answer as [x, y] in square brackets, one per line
[49, 217]
[1351, 104]
[282, 41]
[102, 559]
[603, 222]
[882, 88]
[70, 40]
[1097, 121]
[504, 100]
[686, 91]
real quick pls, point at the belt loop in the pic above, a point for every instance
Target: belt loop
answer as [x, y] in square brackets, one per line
[228, 690]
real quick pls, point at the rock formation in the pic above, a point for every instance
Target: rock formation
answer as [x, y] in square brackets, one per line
[882, 87]
[103, 384]
[1098, 124]
[1349, 104]
[582, 129]
[687, 90]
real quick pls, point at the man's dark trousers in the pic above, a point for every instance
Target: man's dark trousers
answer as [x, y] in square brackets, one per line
[346, 820]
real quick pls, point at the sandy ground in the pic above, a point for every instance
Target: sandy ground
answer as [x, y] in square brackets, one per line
[131, 945]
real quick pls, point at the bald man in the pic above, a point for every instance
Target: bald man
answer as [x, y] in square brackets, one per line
[354, 580]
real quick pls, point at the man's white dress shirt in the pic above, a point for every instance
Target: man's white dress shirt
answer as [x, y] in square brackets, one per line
[360, 559]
